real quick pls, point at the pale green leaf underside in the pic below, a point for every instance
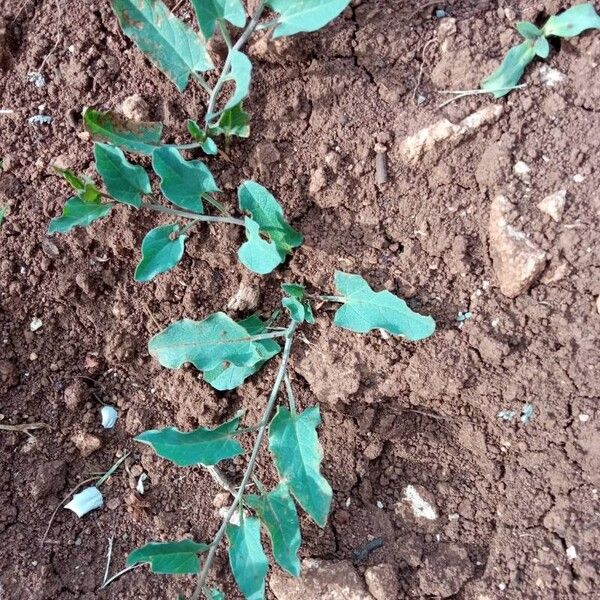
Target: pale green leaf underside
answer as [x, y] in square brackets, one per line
[277, 512]
[133, 136]
[228, 377]
[168, 42]
[182, 181]
[206, 344]
[510, 71]
[364, 310]
[241, 73]
[257, 254]
[77, 213]
[160, 253]
[297, 453]
[573, 21]
[247, 559]
[124, 181]
[304, 15]
[208, 12]
[199, 447]
[169, 558]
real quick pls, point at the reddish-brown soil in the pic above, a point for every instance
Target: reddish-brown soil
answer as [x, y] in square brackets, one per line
[394, 413]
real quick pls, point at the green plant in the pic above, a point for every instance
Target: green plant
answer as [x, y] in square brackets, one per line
[568, 24]
[227, 352]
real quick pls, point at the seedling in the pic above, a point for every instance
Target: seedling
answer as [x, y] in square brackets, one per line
[568, 24]
[187, 185]
[227, 353]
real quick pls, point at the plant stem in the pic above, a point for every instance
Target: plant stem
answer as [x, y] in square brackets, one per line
[251, 463]
[225, 33]
[333, 298]
[290, 394]
[117, 575]
[192, 215]
[214, 96]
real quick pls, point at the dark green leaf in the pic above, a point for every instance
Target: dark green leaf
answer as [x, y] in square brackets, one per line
[247, 559]
[573, 21]
[85, 188]
[278, 513]
[206, 344]
[297, 453]
[208, 144]
[233, 121]
[304, 15]
[364, 310]
[508, 74]
[182, 181]
[162, 249]
[241, 73]
[133, 136]
[228, 377]
[528, 30]
[295, 308]
[208, 12]
[169, 558]
[259, 255]
[77, 213]
[298, 293]
[168, 42]
[123, 181]
[199, 447]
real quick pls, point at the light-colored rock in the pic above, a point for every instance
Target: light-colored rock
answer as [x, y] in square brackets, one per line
[86, 443]
[551, 77]
[320, 580]
[428, 138]
[554, 204]
[382, 582]
[445, 571]
[521, 170]
[517, 261]
[135, 108]
[245, 299]
[417, 503]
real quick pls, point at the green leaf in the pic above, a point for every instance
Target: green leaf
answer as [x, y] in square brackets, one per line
[3, 213]
[162, 249]
[267, 212]
[206, 344]
[297, 453]
[168, 42]
[247, 559]
[208, 144]
[528, 30]
[77, 213]
[257, 254]
[542, 47]
[208, 12]
[138, 137]
[241, 73]
[277, 512]
[169, 558]
[182, 181]
[304, 15]
[84, 187]
[508, 74]
[216, 594]
[364, 310]
[123, 181]
[199, 447]
[573, 21]
[233, 121]
[295, 308]
[297, 293]
[228, 377]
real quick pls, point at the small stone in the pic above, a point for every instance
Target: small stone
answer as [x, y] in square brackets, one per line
[584, 418]
[517, 261]
[35, 324]
[245, 299]
[521, 169]
[318, 181]
[76, 395]
[550, 77]
[49, 248]
[571, 552]
[417, 503]
[135, 108]
[445, 571]
[382, 582]
[221, 499]
[554, 204]
[373, 450]
[86, 443]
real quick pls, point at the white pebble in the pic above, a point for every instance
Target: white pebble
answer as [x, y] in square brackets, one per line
[86, 501]
[584, 418]
[109, 416]
[35, 324]
[571, 553]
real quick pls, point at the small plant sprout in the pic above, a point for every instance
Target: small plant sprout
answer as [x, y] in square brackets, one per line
[227, 352]
[188, 185]
[568, 24]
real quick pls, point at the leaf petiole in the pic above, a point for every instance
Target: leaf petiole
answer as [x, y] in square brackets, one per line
[332, 298]
[192, 215]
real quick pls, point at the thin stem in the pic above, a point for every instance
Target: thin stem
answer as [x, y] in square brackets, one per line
[225, 33]
[251, 463]
[214, 96]
[269, 335]
[333, 298]
[290, 394]
[117, 575]
[192, 215]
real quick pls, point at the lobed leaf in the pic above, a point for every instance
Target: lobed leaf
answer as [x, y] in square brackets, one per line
[169, 558]
[277, 512]
[133, 136]
[168, 42]
[199, 447]
[206, 344]
[573, 21]
[510, 71]
[208, 12]
[78, 213]
[162, 249]
[84, 187]
[304, 15]
[182, 181]
[297, 454]
[247, 559]
[229, 376]
[208, 144]
[241, 73]
[364, 310]
[123, 181]
[233, 121]
[257, 254]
